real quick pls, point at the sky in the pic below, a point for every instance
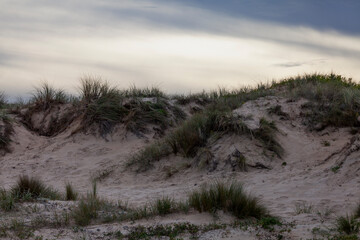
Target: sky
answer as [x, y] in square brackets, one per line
[180, 46]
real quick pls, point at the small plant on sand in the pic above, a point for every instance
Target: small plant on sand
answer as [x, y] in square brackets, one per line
[70, 193]
[357, 211]
[28, 188]
[347, 224]
[7, 201]
[151, 153]
[87, 208]
[164, 205]
[231, 198]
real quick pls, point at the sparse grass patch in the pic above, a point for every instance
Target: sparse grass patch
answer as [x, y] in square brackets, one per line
[87, 208]
[266, 134]
[301, 208]
[151, 153]
[231, 198]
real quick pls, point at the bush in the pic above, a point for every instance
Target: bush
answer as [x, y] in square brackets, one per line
[231, 198]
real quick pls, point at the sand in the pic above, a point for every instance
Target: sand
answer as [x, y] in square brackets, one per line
[306, 179]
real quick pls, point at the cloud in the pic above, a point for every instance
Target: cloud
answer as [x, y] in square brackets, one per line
[183, 48]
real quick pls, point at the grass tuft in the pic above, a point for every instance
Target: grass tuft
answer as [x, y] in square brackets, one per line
[7, 200]
[45, 95]
[231, 198]
[70, 193]
[31, 188]
[347, 224]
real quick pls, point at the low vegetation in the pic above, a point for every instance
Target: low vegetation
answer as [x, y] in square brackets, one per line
[29, 188]
[230, 198]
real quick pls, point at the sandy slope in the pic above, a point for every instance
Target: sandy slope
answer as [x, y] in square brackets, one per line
[306, 179]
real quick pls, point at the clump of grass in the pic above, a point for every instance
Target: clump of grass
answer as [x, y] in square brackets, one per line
[107, 106]
[334, 100]
[231, 198]
[6, 130]
[133, 91]
[151, 153]
[7, 200]
[163, 206]
[45, 95]
[70, 193]
[347, 224]
[28, 188]
[87, 208]
[3, 101]
[357, 211]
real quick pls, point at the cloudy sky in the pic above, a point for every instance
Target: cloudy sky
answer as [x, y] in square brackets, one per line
[179, 45]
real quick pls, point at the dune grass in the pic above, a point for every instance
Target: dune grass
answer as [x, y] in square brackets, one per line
[347, 224]
[45, 95]
[3, 101]
[228, 197]
[6, 130]
[29, 188]
[70, 193]
[7, 200]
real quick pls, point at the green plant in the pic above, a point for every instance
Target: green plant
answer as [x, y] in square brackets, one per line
[357, 211]
[45, 95]
[231, 198]
[7, 201]
[28, 188]
[151, 153]
[269, 222]
[87, 208]
[347, 224]
[70, 193]
[163, 205]
[6, 130]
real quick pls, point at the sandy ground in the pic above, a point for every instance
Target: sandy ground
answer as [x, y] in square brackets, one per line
[306, 179]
